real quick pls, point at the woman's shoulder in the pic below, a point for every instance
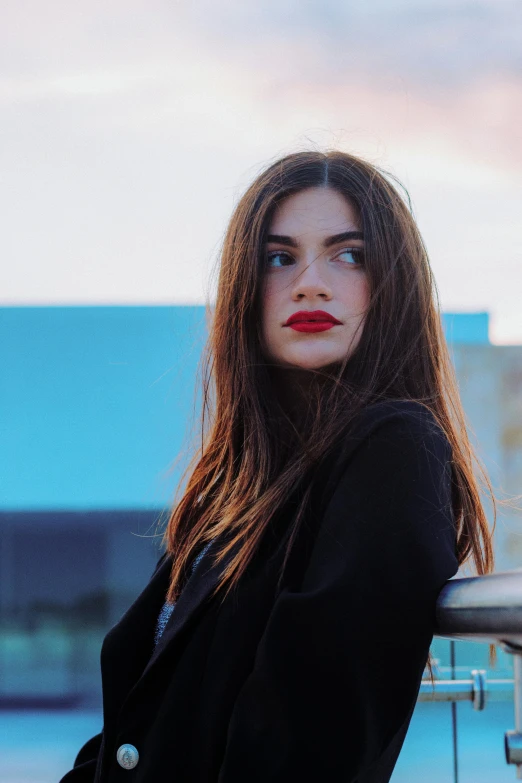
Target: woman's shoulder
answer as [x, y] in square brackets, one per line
[388, 430]
[379, 424]
[401, 415]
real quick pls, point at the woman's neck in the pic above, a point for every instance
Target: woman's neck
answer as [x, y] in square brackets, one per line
[292, 386]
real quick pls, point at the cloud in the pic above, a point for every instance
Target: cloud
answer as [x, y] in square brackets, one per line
[437, 43]
[438, 68]
[130, 128]
[446, 43]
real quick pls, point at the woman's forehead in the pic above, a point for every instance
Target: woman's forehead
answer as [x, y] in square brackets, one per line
[318, 210]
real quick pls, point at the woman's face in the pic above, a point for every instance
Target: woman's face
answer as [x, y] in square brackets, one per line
[313, 262]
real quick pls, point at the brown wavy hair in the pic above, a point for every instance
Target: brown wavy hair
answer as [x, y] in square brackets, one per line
[253, 451]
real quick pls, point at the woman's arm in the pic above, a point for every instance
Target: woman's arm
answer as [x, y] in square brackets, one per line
[84, 766]
[338, 669]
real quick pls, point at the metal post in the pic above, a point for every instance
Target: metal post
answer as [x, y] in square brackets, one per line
[454, 719]
[513, 738]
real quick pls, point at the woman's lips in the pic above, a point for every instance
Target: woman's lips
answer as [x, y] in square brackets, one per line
[312, 321]
[311, 326]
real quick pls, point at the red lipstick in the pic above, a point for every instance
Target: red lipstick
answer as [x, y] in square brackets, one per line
[311, 321]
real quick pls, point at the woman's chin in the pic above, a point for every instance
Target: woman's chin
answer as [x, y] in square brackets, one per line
[311, 361]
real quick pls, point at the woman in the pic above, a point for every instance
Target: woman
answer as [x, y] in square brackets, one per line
[332, 499]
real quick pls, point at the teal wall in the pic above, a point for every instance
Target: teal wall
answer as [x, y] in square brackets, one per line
[466, 327]
[97, 402]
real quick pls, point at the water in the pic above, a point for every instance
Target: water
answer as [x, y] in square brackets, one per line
[427, 753]
[40, 746]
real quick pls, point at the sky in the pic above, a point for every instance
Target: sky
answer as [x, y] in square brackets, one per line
[129, 131]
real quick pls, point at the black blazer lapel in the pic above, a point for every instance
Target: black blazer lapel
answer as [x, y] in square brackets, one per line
[127, 646]
[191, 601]
[197, 589]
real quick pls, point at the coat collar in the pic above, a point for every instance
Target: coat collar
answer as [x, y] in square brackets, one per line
[192, 598]
[128, 656]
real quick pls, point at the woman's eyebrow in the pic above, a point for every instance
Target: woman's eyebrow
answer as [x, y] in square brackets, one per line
[345, 236]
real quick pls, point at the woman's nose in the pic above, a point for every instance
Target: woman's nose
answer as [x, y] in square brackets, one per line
[310, 281]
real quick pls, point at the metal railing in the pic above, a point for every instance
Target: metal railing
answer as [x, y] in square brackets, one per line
[484, 609]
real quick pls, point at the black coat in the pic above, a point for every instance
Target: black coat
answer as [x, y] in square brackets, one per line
[315, 683]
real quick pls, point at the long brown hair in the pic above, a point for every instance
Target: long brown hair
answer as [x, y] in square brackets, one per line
[252, 454]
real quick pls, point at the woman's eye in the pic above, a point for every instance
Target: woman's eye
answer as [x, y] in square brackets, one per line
[276, 258]
[350, 256]
[355, 256]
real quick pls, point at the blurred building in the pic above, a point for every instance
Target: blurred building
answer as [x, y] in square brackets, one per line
[97, 404]
[490, 383]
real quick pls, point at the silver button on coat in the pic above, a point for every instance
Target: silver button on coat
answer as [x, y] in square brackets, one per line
[127, 756]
